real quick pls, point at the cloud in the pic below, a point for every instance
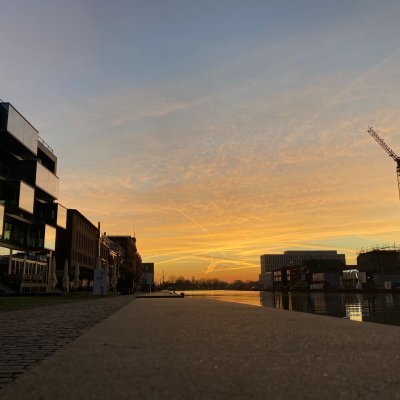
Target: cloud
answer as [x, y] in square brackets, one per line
[261, 149]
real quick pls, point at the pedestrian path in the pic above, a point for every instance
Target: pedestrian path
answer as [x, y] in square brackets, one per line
[206, 349]
[29, 336]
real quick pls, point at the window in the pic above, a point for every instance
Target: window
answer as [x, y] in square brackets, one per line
[1, 221]
[50, 238]
[26, 197]
[7, 231]
[46, 180]
[22, 130]
[61, 216]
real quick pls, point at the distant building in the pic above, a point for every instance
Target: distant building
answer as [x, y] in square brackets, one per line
[379, 261]
[294, 267]
[131, 270]
[382, 267]
[29, 213]
[148, 276]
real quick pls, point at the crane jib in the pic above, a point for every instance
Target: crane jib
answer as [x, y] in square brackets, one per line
[388, 150]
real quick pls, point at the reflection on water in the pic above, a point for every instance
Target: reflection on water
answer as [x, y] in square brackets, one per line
[233, 296]
[381, 308]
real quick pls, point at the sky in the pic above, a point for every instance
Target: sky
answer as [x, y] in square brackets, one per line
[219, 130]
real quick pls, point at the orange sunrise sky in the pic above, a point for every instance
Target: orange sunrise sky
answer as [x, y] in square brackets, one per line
[219, 130]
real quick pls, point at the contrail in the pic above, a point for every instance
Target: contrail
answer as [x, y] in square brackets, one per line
[180, 258]
[356, 81]
[214, 264]
[193, 220]
[233, 268]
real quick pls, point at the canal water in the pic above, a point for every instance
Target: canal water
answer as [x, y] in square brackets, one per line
[381, 308]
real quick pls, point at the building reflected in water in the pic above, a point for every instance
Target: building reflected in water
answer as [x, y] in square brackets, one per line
[381, 308]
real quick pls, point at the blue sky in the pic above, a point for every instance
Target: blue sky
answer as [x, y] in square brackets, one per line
[222, 129]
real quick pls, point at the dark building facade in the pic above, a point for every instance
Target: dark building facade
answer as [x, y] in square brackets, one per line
[379, 261]
[148, 276]
[382, 267]
[78, 244]
[294, 268]
[310, 274]
[29, 212]
[112, 256]
[131, 270]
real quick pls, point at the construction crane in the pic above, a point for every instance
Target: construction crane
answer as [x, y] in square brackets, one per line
[388, 150]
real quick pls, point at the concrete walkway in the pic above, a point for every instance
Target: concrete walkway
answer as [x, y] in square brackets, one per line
[29, 336]
[206, 349]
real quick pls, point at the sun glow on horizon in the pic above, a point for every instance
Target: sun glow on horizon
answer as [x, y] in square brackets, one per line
[220, 135]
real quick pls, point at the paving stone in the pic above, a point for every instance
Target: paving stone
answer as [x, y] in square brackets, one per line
[29, 336]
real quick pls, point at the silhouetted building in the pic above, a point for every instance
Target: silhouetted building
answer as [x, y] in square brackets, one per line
[293, 269]
[131, 269]
[379, 261]
[29, 213]
[148, 276]
[78, 244]
[382, 267]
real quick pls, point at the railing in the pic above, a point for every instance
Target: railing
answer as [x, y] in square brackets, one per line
[386, 246]
[29, 270]
[45, 144]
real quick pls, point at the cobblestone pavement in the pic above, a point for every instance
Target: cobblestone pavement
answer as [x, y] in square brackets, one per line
[28, 336]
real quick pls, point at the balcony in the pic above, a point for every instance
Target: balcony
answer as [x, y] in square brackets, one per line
[46, 180]
[21, 129]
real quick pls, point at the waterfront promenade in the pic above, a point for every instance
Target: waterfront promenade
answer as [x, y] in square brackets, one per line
[205, 349]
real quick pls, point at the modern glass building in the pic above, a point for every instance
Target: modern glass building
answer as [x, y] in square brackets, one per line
[29, 211]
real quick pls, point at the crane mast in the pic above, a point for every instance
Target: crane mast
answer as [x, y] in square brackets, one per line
[388, 150]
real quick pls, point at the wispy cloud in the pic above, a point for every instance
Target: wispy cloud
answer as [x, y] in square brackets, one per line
[217, 155]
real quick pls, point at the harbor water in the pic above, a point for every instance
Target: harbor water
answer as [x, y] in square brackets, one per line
[380, 308]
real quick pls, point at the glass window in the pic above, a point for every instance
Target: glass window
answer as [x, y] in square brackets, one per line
[49, 238]
[46, 180]
[1, 221]
[61, 216]
[26, 197]
[7, 231]
[22, 130]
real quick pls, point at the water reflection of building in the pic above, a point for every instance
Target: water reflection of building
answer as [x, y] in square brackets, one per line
[367, 307]
[282, 301]
[319, 302]
[267, 299]
[29, 213]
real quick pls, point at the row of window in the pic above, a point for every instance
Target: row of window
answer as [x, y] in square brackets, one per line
[21, 235]
[87, 227]
[86, 243]
[271, 262]
[80, 258]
